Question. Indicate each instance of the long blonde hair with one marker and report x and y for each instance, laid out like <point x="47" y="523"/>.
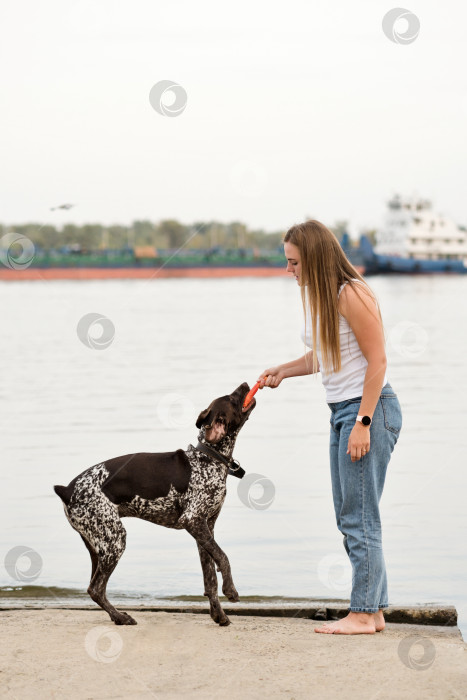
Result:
<point x="324" y="268"/>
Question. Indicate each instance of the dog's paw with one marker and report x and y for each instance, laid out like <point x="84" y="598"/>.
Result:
<point x="231" y="593"/>
<point x="124" y="619"/>
<point x="216" y="612"/>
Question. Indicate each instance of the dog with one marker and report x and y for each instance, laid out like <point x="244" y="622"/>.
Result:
<point x="184" y="490"/>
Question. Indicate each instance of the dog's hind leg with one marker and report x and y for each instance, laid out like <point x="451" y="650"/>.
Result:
<point x="108" y="553"/>
<point x="94" y="557"/>
<point x="103" y="534"/>
<point x="210" y="581"/>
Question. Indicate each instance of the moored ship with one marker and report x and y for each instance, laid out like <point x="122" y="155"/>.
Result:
<point x="415" y="239"/>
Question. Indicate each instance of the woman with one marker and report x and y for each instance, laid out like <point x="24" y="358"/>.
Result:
<point x="347" y="344"/>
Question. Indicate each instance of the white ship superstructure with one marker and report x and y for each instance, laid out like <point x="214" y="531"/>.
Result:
<point x="412" y="230"/>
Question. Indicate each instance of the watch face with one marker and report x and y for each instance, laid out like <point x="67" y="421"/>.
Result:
<point x="366" y="420"/>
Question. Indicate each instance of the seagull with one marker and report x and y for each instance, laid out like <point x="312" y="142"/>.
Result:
<point x="62" y="206"/>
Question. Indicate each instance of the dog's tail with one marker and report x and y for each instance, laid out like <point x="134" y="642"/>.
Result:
<point x="64" y="493"/>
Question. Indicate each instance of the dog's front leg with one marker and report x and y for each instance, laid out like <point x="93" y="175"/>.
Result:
<point x="199" y="529"/>
<point x="210" y="581"/>
<point x="210" y="587"/>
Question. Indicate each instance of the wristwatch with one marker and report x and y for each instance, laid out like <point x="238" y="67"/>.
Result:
<point x="364" y="420"/>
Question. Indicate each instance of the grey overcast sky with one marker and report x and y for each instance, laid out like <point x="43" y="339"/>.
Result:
<point x="294" y="110"/>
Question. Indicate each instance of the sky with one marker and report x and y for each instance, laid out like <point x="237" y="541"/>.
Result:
<point x="295" y="110"/>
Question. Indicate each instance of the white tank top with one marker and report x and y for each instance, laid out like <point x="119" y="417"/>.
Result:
<point x="348" y="382"/>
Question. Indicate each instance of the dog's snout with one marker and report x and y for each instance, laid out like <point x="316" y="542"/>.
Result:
<point x="242" y="390"/>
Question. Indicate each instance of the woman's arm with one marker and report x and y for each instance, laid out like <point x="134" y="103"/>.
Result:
<point x="364" y="320"/>
<point x="273" y="376"/>
<point x="366" y="325"/>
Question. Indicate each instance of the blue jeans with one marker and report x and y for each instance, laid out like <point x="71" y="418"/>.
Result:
<point x="357" y="488"/>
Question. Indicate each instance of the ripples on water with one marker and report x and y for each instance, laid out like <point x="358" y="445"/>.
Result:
<point x="180" y="343"/>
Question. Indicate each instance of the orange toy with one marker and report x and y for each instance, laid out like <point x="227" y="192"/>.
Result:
<point x="250" y="394"/>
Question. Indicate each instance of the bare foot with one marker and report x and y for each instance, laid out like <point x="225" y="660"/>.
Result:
<point x="353" y="623"/>
<point x="379" y="621"/>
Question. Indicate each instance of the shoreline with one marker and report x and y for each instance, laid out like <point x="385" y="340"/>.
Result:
<point x="106" y="273"/>
<point x="91" y="273"/>
<point x="426" y="615"/>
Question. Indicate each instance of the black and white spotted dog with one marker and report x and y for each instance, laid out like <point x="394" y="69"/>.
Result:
<point x="181" y="490"/>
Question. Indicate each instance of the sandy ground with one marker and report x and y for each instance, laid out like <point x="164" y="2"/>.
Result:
<point x="81" y="654"/>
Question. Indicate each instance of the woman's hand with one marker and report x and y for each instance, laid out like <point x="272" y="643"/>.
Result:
<point x="271" y="377"/>
<point x="359" y="442"/>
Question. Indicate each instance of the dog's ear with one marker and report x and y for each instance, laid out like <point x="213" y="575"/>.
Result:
<point x="203" y="417"/>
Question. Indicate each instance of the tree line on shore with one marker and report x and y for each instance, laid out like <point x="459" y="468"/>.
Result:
<point x="166" y="234"/>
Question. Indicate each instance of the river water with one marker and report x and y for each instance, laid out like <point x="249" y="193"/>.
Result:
<point x="165" y="350"/>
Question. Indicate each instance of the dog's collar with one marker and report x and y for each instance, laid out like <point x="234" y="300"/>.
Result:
<point x="234" y="467"/>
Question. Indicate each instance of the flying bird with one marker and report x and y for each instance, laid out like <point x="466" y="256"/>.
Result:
<point x="62" y="206"/>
